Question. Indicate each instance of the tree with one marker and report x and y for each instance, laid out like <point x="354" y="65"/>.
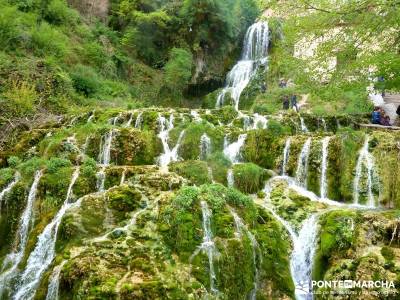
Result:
<point x="178" y="70"/>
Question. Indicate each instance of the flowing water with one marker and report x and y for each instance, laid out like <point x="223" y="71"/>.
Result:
<point x="169" y="155"/>
<point x="365" y="163"/>
<point x="259" y="122"/>
<point x="43" y="254"/>
<point x="128" y="124"/>
<point x="256" y="251"/>
<point x="286" y="153"/>
<point x="232" y="151"/>
<point x="196" y="116"/>
<point x="139" y="120"/>
<point x="205" y="146"/>
<point x="10" y="264"/>
<point x="230" y="179"/>
<point x="303" y="125"/>
<point x="302" y="163"/>
<point x="54" y="282"/>
<point x="324" y="167"/>
<point x="104" y="159"/>
<point x="254" y="54"/>
<point x="123" y="175"/>
<point x="324" y="126"/>
<point x="9" y="187"/>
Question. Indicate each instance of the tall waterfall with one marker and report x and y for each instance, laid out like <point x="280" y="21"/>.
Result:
<point x="54" y="282"/>
<point x="169" y="155"/>
<point x="104" y="158"/>
<point x="232" y="151"/>
<point x="302" y="164"/>
<point x="324" y="167"/>
<point x="205" y="146"/>
<point x="254" y="54"/>
<point x="365" y="162"/>
<point x="9" y="268"/>
<point x="286" y="153"/>
<point x="43" y="254"/>
<point x="256" y="252"/>
<point x="9" y="187"/>
<point x="301" y="260"/>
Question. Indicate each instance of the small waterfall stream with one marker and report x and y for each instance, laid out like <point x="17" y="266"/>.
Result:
<point x="324" y="167"/>
<point x="205" y="146"/>
<point x="255" y="53"/>
<point x="230" y="179"/>
<point x="139" y="120"/>
<point x="256" y="252"/>
<point x="128" y="124"/>
<point x="259" y="122"/>
<point x="43" y="254"/>
<point x="104" y="158"/>
<point x="232" y="151"/>
<point x="365" y="162"/>
<point x="303" y="125"/>
<point x="302" y="163"/>
<point x="54" y="282"/>
<point x="169" y="155"/>
<point x="9" y="187"/>
<point x="286" y="153"/>
<point x="9" y="268"/>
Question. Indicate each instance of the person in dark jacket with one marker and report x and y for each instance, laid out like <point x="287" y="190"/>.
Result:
<point x="285" y="102"/>
<point x="282" y="83"/>
<point x="293" y="102"/>
<point x="376" y="116"/>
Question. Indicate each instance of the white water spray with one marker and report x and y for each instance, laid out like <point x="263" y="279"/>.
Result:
<point x="324" y="167"/>
<point x="43" y="254"/>
<point x="230" y="179"/>
<point x="232" y="151"/>
<point x="205" y="146"/>
<point x="9" y="187"/>
<point x="139" y="120"/>
<point x="303" y="125"/>
<point x="255" y="53"/>
<point x="286" y="153"/>
<point x="169" y="155"/>
<point x="54" y="282"/>
<point x="104" y="158"/>
<point x="302" y="163"/>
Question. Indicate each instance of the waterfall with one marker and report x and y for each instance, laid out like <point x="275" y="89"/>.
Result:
<point x="128" y="124"/>
<point x="196" y="116"/>
<point x="205" y="146"/>
<point x="286" y="153"/>
<point x="246" y="122"/>
<point x="303" y="125"/>
<point x="12" y="260"/>
<point x="260" y="122"/>
<point x="113" y="121"/>
<point x="168" y="155"/>
<point x="302" y="163"/>
<point x="54" y="282"/>
<point x="324" y="124"/>
<point x="104" y="157"/>
<point x="123" y="177"/>
<point x="139" y="120"/>
<point x="302" y="258"/>
<point x="256" y="252"/>
<point x="254" y="54"/>
<point x="230" y="179"/>
<point x="324" y="167"/>
<point x="208" y="244"/>
<point x="232" y="151"/>
<point x="90" y="117"/>
<point x="365" y="161"/>
<point x="9" y="187"/>
<point x="43" y="254"/>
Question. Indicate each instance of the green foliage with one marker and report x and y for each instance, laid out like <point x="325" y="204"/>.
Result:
<point x="124" y="198"/>
<point x="85" y="80"/>
<point x="56" y="163"/>
<point x="185" y="198"/>
<point x="13" y="161"/>
<point x="57" y="12"/>
<point x="387" y="253"/>
<point x="195" y="171"/>
<point x="178" y="70"/>
<point x="21" y="98"/>
<point x="47" y="40"/>
<point x="219" y="166"/>
<point x="248" y="177"/>
<point x="5" y="176"/>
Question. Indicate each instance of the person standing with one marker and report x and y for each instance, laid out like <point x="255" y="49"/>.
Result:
<point x="376" y="116"/>
<point x="293" y="102"/>
<point x="285" y="102"/>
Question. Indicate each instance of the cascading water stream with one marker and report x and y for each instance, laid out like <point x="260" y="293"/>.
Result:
<point x="205" y="146"/>
<point x="9" y="187"/>
<point x="43" y="254"/>
<point x="123" y="175"/>
<point x="286" y="153"/>
<point x="256" y="252"/>
<point x="259" y="122"/>
<point x="365" y="161"/>
<point x="196" y="116"/>
<point x="302" y="164"/>
<point x="230" y="179"/>
<point x="139" y="120"/>
<point x="10" y="264"/>
<point x="255" y="53"/>
<point x="168" y="155"/>
<point x="232" y="151"/>
<point x="54" y="282"/>
<point x="128" y="124"/>
<point x="324" y="167"/>
<point x="303" y="125"/>
<point x="104" y="158"/>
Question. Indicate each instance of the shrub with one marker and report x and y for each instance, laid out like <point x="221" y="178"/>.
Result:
<point x="124" y="199"/>
<point x="21" y="98"/>
<point x="56" y="163"/>
<point x="47" y="40"/>
<point x="89" y="167"/>
<point x="248" y="177"/>
<point x="13" y="161"/>
<point x="58" y="12"/>
<point x="85" y="80"/>
<point x="219" y="166"/>
<point x="185" y="198"/>
<point x="9" y="27"/>
<point x="5" y="176"/>
<point x="178" y="69"/>
<point x="387" y="253"/>
<point x="195" y="171"/>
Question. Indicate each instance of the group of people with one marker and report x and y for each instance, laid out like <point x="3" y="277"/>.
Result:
<point x="380" y="117"/>
<point x="288" y="101"/>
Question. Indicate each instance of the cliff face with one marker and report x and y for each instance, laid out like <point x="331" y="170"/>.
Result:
<point x="92" y="8"/>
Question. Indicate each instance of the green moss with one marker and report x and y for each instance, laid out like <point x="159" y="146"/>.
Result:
<point x="195" y="171"/>
<point x="249" y="178"/>
<point x="124" y="198"/>
<point x="219" y="165"/>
